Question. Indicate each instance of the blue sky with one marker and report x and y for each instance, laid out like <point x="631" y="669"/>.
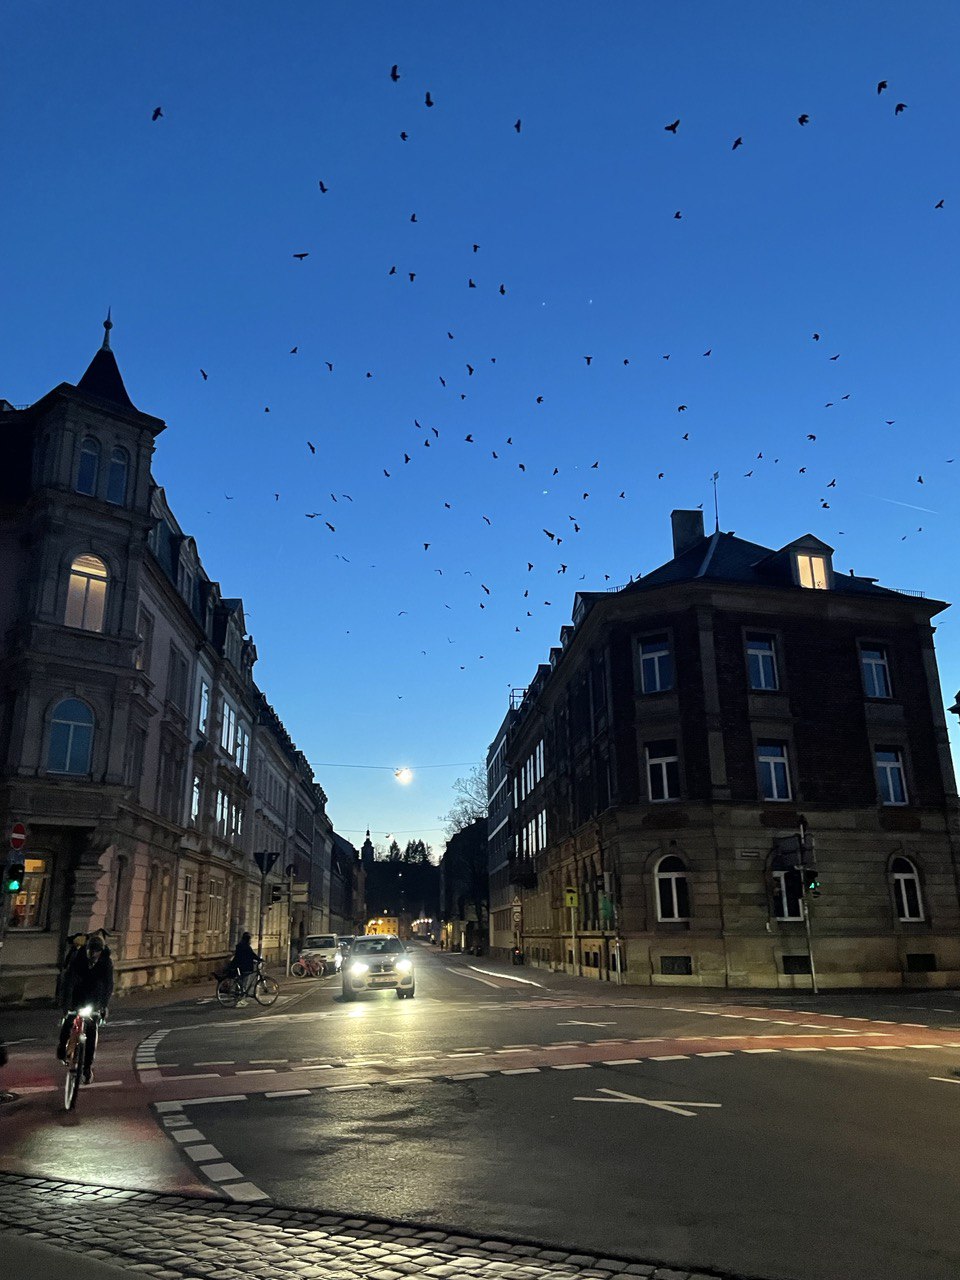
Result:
<point x="187" y="226"/>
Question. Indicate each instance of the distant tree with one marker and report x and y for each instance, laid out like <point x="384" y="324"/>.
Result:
<point x="416" y="852"/>
<point x="470" y="803"/>
<point x="393" y="853"/>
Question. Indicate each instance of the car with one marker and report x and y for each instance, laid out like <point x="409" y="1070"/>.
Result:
<point x="378" y="962"/>
<point x="323" y="946"/>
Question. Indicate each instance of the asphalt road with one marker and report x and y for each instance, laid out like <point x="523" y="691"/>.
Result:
<point x="778" y="1135"/>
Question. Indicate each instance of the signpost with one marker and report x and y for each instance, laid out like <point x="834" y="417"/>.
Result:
<point x="18" y="836"/>
<point x="265" y="859"/>
<point x="571" y="899"/>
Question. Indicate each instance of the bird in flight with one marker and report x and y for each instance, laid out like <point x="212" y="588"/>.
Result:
<point x="588" y="359"/>
<point x="816" y="337"/>
<point x="157" y="113"/>
<point x="311" y="446"/>
<point x="203" y="374"/>
<point x="323" y="189"/>
<point x="672" y="128"/>
<point x="881" y="85"/>
<point x="394" y="73"/>
<point x="938" y="205"/>
<point x="681" y="408"/>
<point x="329" y="365"/>
<point x="899" y="108"/>
<point x="294" y="350"/>
<point x="737" y="143"/>
<point x="428" y="101"/>
<point x="403" y="136"/>
<point x="804" y="119"/>
<point x="517" y="126"/>
<point x="836" y="357"/>
<point x="708" y="352"/>
<point x="678" y="214"/>
<point x="503" y="290"/>
<point x="300" y="256"/>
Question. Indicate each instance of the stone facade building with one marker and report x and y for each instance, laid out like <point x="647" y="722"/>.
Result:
<point x="686" y="730"/>
<point x="134" y="743"/>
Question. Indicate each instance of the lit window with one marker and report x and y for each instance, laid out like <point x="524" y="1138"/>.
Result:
<point x="241" y="753"/>
<point x="89" y="467"/>
<point x="228" y="727"/>
<point x="890" y="775"/>
<point x="762" y="662"/>
<point x="204" y="710"/>
<point x="117" y="477"/>
<point x="663" y="771"/>
<point x="86" y="594"/>
<point x="71" y="738"/>
<point x="195" y="801"/>
<point x="876" y="673"/>
<point x="773" y="771"/>
<point x="673" y="893"/>
<point x="28" y="907"/>
<point x="656" y="665"/>
<point x="906" y="890"/>
<point x="787" y="895"/>
<point x="812" y="571"/>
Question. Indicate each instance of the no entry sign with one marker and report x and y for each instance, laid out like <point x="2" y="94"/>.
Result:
<point x="18" y="836"/>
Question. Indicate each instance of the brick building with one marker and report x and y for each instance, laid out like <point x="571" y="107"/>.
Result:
<point x="684" y="730"/>
<point x="134" y="743"/>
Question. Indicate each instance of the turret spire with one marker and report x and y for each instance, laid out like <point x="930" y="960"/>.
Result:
<point x="107" y="326"/>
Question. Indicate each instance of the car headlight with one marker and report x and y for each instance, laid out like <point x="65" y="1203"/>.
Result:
<point x="358" y="967"/>
<point x="404" y="966"/>
<point x="86" y="1011"/>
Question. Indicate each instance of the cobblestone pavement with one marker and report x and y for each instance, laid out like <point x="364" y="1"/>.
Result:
<point x="188" y="1238"/>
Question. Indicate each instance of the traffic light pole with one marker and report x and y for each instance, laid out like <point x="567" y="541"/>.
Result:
<point x="802" y="869"/>
<point x="806" y="920"/>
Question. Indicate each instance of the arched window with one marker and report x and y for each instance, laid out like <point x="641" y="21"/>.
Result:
<point x="673" y="892"/>
<point x="71" y="738"/>
<point x="86" y="594"/>
<point x="117" y="477"/>
<point x="89" y="466"/>
<point x="906" y="890"/>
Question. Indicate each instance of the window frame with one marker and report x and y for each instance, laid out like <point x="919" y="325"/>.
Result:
<point x="90" y="726"/>
<point x="96" y="452"/>
<point x="751" y="640"/>
<point x="782" y="896"/>
<point x="872" y="665"/>
<point x="898" y="881"/>
<point x="79" y="581"/>
<point x="656" y="657"/>
<point x="203" y="706"/>
<point x="771" y="761"/>
<point x="887" y="768"/>
<point x="664" y="761"/>
<point x="118" y="454"/>
<point x="806" y="560"/>
<point x="671" y="877"/>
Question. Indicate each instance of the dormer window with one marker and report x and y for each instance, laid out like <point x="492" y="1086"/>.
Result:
<point x="812" y="571"/>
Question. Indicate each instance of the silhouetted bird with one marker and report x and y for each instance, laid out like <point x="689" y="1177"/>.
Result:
<point x="804" y="119"/>
<point x="672" y="128"/>
<point x="394" y="73"/>
<point x="157" y="113"/>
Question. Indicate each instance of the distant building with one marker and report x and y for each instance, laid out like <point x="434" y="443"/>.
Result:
<point x="134" y="743"/>
<point x="686" y="729"/>
<point x="348" y="911"/>
<point x="465" y="889"/>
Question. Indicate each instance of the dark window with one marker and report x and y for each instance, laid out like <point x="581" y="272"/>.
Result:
<point x="876" y="671"/>
<point x="676" y="965"/>
<point x="71" y="738"/>
<point x="796" y="964"/>
<point x="673" y="892"/>
<point x="89" y="466"/>
<point x="906" y="890"/>
<point x="890" y="775"/>
<point x="921" y="962"/>
<point x="787" y="895"/>
<point x="773" y="771"/>
<point x="663" y="770"/>
<point x="656" y="664"/>
<point x="117" y="477"/>
<point x="762" y="662"/>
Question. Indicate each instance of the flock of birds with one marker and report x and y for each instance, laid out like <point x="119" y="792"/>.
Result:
<point x="504" y="450"/>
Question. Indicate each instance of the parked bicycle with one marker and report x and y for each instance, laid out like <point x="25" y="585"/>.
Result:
<point x="233" y="988"/>
<point x="85" y="1022"/>
<point x="309" y="967"/>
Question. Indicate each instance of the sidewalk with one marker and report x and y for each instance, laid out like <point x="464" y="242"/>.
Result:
<point x="162" y="1237"/>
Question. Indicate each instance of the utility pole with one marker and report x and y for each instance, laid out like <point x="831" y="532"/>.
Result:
<point x="809" y="880"/>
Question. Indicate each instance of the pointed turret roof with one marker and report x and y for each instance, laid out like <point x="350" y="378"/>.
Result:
<point x="102" y="378"/>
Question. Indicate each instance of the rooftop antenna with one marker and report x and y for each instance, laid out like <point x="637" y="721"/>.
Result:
<point x="716" y="504"/>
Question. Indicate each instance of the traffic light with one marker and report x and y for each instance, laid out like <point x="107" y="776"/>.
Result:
<point x="811" y="881"/>
<point x="276" y="893"/>
<point x="13" y="877"/>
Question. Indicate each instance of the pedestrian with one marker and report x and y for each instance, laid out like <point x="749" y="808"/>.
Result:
<point x="87" y="980"/>
<point x="245" y="961"/>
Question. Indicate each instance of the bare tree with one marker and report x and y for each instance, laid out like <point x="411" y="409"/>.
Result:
<point x="470" y="803"/>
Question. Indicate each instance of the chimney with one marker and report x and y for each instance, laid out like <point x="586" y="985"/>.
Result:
<point x="687" y="530"/>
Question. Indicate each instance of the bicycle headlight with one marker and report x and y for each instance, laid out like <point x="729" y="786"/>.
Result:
<point x="404" y="966"/>
<point x="358" y="967"/>
<point x="86" y="1011"/>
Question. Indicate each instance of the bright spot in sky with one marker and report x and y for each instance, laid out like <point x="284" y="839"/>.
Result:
<point x="403" y="775"/>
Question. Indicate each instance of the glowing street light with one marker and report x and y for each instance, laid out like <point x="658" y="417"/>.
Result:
<point x="403" y="776"/>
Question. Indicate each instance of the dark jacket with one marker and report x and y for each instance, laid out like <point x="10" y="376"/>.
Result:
<point x="87" y="983"/>
<point x="245" y="958"/>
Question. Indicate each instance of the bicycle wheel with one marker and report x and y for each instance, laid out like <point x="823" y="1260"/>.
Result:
<point x="228" y="992"/>
<point x="266" y="991"/>
<point x="71" y="1083"/>
<point x="298" y="970"/>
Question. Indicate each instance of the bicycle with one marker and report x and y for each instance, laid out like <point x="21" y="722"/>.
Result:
<point x="75" y="1055"/>
<point x="235" y="987"/>
<point x="309" y="967"/>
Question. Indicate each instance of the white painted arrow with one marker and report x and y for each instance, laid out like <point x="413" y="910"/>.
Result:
<point x="676" y="1108"/>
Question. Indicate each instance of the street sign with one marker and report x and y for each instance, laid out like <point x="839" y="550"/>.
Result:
<point x="570" y="897"/>
<point x="517" y="916"/>
<point x="265" y="858"/>
<point x="18" y="836"/>
<point x="301" y="892"/>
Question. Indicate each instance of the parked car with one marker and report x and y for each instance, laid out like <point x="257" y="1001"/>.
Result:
<point x="323" y="946"/>
<point x="378" y="962"/>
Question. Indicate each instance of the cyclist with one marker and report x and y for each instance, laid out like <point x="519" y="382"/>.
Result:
<point x="88" y="979"/>
<point x="245" y="961"/>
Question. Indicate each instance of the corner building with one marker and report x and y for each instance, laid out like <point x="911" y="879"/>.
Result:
<point x="135" y="746"/>
<point x="684" y="730"/>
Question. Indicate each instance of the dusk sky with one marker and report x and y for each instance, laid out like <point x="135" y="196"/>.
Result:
<point x="374" y="649"/>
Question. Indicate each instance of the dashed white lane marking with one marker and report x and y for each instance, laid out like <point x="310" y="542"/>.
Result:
<point x="623" y="1062"/>
<point x="668" y="1057"/>
<point x="265" y="1071"/>
<point x="759" y="1050"/>
<point x="924" y="1046"/>
<point x="809" y="1048"/>
<point x="521" y="1071"/>
<point x="715" y="1053"/>
<point x="507" y="977"/>
<point x="287" y="1093"/>
<point x="844" y="1048"/>
<point x="945" y="1079"/>
<point x="572" y="1066"/>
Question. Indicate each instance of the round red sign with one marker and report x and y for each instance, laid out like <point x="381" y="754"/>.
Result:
<point x="18" y="836"/>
